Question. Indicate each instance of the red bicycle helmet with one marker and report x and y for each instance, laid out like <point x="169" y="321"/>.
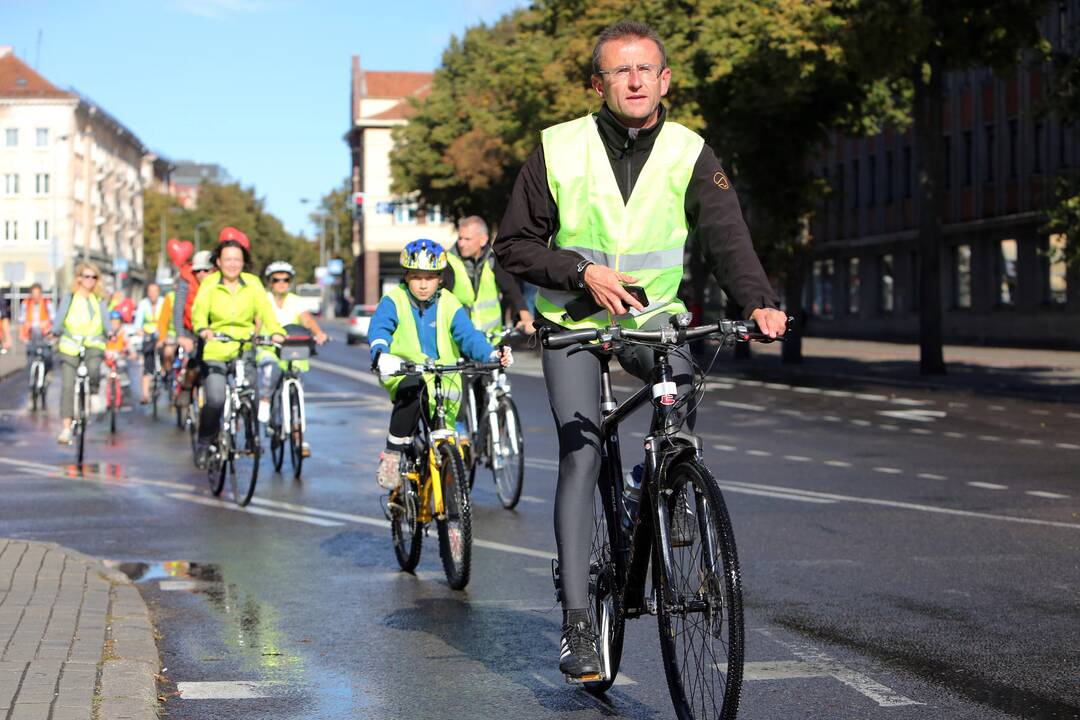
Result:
<point x="231" y="233"/>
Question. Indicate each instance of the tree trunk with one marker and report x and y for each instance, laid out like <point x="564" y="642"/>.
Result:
<point x="929" y="149"/>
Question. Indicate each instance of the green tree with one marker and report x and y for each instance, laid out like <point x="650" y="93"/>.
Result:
<point x="1064" y="215"/>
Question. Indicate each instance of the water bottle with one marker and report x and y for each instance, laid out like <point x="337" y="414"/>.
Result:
<point x="632" y="495"/>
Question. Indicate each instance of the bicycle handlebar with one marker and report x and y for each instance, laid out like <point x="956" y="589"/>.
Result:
<point x="253" y="339"/>
<point x="409" y="368"/>
<point x="742" y="330"/>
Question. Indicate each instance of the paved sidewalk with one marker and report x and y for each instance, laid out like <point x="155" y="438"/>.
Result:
<point x="75" y="637"/>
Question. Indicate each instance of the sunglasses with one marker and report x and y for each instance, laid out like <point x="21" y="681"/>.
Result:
<point x="279" y="279"/>
<point x="86" y="276"/>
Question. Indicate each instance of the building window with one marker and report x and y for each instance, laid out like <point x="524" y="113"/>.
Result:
<point x="42" y="137"/>
<point x="41" y="183"/>
<point x="962" y="276"/>
<point x="823" y="288"/>
<point x="11" y="137"/>
<point x="907" y="171"/>
<point x="1012" y="148"/>
<point x="886" y="286"/>
<point x="1007" y="273"/>
<point x="968" y="160"/>
<point x="888" y="176"/>
<point x="1037" y="164"/>
<point x="11" y="184"/>
<point x="853" y="286"/>
<point x="41" y="230"/>
<point x="11" y="229"/>
<point x="990" y="153"/>
<point x="855" y="183"/>
<point x="1057" y="284"/>
<point x="873" y="181"/>
<point x="947" y="155"/>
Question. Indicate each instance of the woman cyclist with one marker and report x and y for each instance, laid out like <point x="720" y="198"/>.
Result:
<point x="81" y="321"/>
<point x="230" y="301"/>
<point x="289" y="310"/>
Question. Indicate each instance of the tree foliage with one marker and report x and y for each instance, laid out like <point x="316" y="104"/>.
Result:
<point x="1064" y="215"/>
<point x="220" y="205"/>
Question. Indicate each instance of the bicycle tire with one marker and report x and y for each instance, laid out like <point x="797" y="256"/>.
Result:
<point x="405" y="532"/>
<point x="296" y="432"/>
<point x="605" y="600"/>
<point x="34" y="387"/>
<point x="455" y="527"/>
<point x="245" y="455"/>
<point x="704" y="585"/>
<point x="471" y="458"/>
<point x="192" y="422"/>
<point x="277" y="442"/>
<point x="155" y="390"/>
<point x="510" y="478"/>
<point x="80" y="423"/>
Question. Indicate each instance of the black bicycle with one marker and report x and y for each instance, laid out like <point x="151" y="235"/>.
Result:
<point x="674" y="520"/>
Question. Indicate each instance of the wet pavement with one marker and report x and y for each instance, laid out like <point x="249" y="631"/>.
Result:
<point x="905" y="553"/>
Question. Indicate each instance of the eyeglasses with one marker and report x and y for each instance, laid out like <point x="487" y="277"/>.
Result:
<point x="279" y="279"/>
<point x="622" y="72"/>
<point x="88" y="276"/>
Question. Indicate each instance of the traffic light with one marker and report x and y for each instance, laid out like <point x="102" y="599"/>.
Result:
<point x="357" y="205"/>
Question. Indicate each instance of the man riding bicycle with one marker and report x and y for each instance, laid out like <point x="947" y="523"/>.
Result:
<point x="191" y="275"/>
<point x="35" y="324"/>
<point x="617" y="193"/>
<point x="477" y="280"/>
<point x="146" y="321"/>
<point x="289" y="310"/>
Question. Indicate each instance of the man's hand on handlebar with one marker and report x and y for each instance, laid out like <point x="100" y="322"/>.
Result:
<point x="320" y="338"/>
<point x="506" y="357"/>
<point x="606" y="287"/>
<point x="770" y="322"/>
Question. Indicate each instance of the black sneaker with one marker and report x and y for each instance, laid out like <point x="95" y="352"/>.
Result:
<point x="577" y="652"/>
<point x="202" y="456"/>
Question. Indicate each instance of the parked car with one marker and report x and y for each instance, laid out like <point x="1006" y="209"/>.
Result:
<point x="359" y="320"/>
<point x="312" y="295"/>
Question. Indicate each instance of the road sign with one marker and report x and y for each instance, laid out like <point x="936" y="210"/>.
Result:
<point x="120" y="265"/>
<point x="335" y="266"/>
<point x="384" y="208"/>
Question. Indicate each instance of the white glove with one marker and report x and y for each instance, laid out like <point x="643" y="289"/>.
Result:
<point x="388" y="365"/>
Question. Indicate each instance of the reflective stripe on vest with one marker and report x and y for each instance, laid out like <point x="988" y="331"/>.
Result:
<point x="644" y="236"/>
<point x="83" y="322"/>
<point x="482" y="302"/>
<point x="405" y="343"/>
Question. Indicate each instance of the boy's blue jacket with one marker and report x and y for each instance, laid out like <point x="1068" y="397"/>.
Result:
<point x="384" y="322"/>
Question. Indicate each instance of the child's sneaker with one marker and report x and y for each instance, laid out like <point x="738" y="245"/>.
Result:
<point x="389" y="475"/>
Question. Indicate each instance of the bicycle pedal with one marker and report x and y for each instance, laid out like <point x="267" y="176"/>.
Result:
<point x="591" y="677"/>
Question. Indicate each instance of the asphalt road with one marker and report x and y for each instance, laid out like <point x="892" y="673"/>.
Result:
<point x="905" y="555"/>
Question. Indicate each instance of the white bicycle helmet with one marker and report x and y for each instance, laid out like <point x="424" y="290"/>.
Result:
<point x="280" y="266"/>
<point x="201" y="261"/>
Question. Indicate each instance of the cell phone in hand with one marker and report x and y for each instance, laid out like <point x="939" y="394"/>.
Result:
<point x="585" y="306"/>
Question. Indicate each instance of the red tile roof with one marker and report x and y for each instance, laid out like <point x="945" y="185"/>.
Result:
<point x="403" y="109"/>
<point x="395" y="84"/>
<point x="18" y="80"/>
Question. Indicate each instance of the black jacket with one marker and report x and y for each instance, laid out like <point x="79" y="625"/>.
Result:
<point x="712" y="212"/>
<point x="509" y="291"/>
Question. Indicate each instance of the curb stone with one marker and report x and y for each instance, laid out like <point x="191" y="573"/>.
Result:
<point x="76" y="638"/>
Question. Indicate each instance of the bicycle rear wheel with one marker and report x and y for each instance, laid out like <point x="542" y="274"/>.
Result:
<point x="296" y="432"/>
<point x="246" y="452"/>
<point x="509" y="467"/>
<point x="604" y="603"/>
<point x="699" y="593"/>
<point x="455" y="528"/>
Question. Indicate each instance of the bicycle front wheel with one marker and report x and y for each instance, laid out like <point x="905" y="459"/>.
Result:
<point x="246" y="452"/>
<point x="78" y="425"/>
<point x="405" y="531"/>
<point x="508" y="464"/>
<point x="455" y="527"/>
<point x="296" y="432"/>
<point x="604" y="601"/>
<point x="699" y="593"/>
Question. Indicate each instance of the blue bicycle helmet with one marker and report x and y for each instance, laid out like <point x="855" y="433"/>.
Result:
<point x="116" y="315"/>
<point x="423" y="254"/>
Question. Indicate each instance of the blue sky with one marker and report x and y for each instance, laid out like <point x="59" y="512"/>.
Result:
<point x="258" y="86"/>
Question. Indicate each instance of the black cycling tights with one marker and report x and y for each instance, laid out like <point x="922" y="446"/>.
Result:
<point x="573" y="385"/>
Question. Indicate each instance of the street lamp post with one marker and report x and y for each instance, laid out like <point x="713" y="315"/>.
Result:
<point x="204" y="223"/>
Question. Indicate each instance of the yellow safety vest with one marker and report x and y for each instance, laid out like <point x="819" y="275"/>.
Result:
<point x="482" y="302"/>
<point x="83" y="320"/>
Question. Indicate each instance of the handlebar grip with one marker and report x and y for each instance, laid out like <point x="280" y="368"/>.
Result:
<point x="559" y="340"/>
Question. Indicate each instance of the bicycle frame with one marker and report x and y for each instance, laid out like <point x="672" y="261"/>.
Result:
<point x="633" y="549"/>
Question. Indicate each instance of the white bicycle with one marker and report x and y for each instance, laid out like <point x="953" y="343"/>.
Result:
<point x="288" y="418"/>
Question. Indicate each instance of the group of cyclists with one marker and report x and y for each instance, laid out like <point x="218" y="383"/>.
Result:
<point x="599" y="219"/>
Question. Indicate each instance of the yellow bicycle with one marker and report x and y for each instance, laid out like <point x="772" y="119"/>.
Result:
<point x="435" y="486"/>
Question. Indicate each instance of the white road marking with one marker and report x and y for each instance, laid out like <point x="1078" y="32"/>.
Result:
<point x="770" y="493"/>
<point x="778" y="670"/>
<point x="831" y="418"/>
<point x="955" y="435"/>
<point x="871" y="397"/>
<point x="225" y="690"/>
<point x="996" y="408"/>
<point x="838" y="393"/>
<point x="1074" y="416"/>
<point x="908" y="506"/>
<point x="807" y="390"/>
<point x="777" y="386"/>
<point x="988" y="486"/>
<point x="533" y="499"/>
<point x="990" y="438"/>
<point x="726" y="448"/>
<point x="359" y="402"/>
<point x="883" y="696"/>
<point x="861" y="423"/>
<point x="838" y="463"/>
<point x="740" y="406"/>
<point x="362" y="376"/>
<point x="226" y="505"/>
<point x="886" y="426"/>
<point x="541" y="463"/>
<point x="931" y="476"/>
<point x="183" y="585"/>
<point x="797" y="458"/>
<point x="1029" y="441"/>
<point x="915" y="414"/>
<point x="759" y="453"/>
<point x="750" y="383"/>
<point x="1067" y="446"/>
<point x="888" y="470"/>
<point x="1045" y="494"/>
<point x="920" y="431"/>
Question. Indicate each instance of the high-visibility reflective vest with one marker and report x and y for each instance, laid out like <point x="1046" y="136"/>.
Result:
<point x="150" y="319"/>
<point x="405" y="343"/>
<point x="83" y="320"/>
<point x="644" y="237"/>
<point x="481" y="301"/>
